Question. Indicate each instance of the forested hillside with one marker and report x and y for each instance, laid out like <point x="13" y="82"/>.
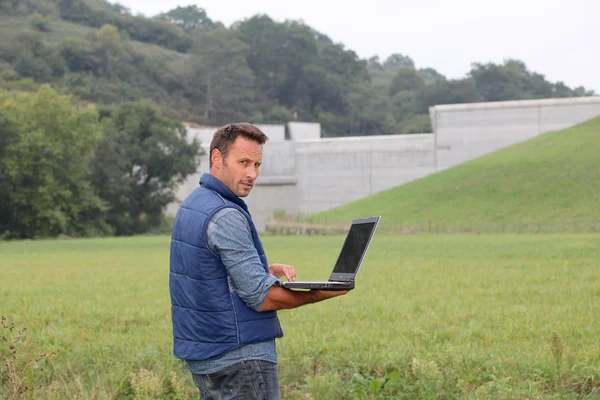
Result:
<point x="196" y="69"/>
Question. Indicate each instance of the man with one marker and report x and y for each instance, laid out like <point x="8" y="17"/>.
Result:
<point x="224" y="295"/>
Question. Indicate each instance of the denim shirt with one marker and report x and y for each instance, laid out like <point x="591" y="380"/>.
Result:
<point x="229" y="236"/>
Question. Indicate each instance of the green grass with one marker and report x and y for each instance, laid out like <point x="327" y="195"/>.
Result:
<point x="552" y="181"/>
<point x="450" y="316"/>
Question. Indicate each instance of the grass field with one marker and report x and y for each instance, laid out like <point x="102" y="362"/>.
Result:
<point x="551" y="181"/>
<point x="442" y="316"/>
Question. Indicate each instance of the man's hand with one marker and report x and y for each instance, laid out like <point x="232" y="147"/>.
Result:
<point x="279" y="270"/>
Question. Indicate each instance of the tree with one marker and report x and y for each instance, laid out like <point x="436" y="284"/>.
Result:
<point x="45" y="152"/>
<point x="118" y="8"/>
<point x="337" y="84"/>
<point x="30" y="66"/>
<point x="406" y="105"/>
<point x="405" y="79"/>
<point x="454" y="91"/>
<point x="217" y="77"/>
<point x="189" y="18"/>
<point x="79" y="55"/>
<point x="108" y="42"/>
<point x="139" y="163"/>
<point x="279" y="52"/>
<point x="373" y="63"/>
<point x="430" y="75"/>
<point x="513" y="81"/>
<point x="398" y="60"/>
<point x="8" y="135"/>
<point x="417" y="124"/>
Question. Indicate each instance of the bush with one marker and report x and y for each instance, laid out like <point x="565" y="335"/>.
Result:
<point x="79" y="55"/>
<point x="39" y="22"/>
<point x="29" y="66"/>
<point x="7" y="73"/>
<point x="32" y="41"/>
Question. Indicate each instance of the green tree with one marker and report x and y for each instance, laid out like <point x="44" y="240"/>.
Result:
<point x="108" y="43"/>
<point x="498" y="83"/>
<point x="279" y="53"/>
<point x="398" y="60"/>
<point x="513" y="81"/>
<point x="446" y="92"/>
<point x="118" y="8"/>
<point x="405" y="105"/>
<point x="80" y="55"/>
<point x="417" y="124"/>
<point x="189" y="18"/>
<point x="430" y="75"/>
<point x="346" y="92"/>
<point x="8" y="135"/>
<point x="405" y="79"/>
<point x="30" y="66"/>
<point x="217" y="77"/>
<point x="139" y="163"/>
<point x="45" y="153"/>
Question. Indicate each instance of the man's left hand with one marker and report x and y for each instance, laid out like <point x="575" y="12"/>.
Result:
<point x="279" y="270"/>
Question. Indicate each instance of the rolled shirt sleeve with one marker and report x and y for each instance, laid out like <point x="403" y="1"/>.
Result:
<point x="229" y="236"/>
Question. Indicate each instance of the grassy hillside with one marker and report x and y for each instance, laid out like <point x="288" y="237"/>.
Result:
<point x="141" y="71"/>
<point x="13" y="26"/>
<point x="553" y="179"/>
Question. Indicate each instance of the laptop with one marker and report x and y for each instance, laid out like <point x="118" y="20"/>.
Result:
<point x="350" y="259"/>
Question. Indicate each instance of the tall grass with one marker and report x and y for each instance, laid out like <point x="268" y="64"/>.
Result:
<point x="433" y="316"/>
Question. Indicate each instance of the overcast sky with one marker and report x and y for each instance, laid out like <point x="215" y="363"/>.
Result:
<point x="557" y="38"/>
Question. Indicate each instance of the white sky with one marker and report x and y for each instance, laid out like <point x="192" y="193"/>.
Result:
<point x="557" y="38"/>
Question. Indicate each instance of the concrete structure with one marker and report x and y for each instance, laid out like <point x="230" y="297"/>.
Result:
<point x="332" y="172"/>
<point x="308" y="174"/>
<point x="304" y="130"/>
<point x="467" y="131"/>
<point x="276" y="133"/>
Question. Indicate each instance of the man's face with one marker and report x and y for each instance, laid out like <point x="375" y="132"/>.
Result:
<point x="240" y="169"/>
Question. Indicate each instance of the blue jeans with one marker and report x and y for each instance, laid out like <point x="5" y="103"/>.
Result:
<point x="247" y="380"/>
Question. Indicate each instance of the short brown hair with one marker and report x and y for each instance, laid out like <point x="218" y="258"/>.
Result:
<point x="227" y="134"/>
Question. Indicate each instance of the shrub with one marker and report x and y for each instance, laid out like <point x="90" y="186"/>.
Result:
<point x="39" y="22"/>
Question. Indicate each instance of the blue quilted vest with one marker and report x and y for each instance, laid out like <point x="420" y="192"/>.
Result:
<point x="208" y="318"/>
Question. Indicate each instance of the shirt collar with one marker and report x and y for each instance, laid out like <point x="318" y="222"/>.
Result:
<point x="219" y="187"/>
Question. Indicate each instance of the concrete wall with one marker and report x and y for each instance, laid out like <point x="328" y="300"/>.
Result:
<point x="204" y="134"/>
<point x="467" y="131"/>
<point x="315" y="175"/>
<point x="332" y="172"/>
<point x="304" y="130"/>
<point x="276" y="133"/>
<point x="310" y="174"/>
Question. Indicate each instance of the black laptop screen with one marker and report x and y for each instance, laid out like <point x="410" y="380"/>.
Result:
<point x="354" y="248"/>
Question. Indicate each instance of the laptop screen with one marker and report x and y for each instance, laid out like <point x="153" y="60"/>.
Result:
<point x="354" y="248"/>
